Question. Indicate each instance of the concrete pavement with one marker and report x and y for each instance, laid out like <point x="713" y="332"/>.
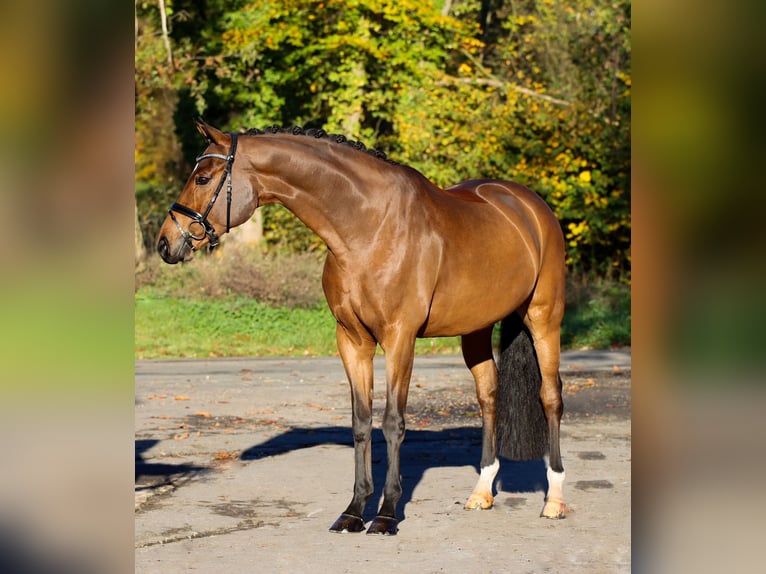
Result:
<point x="243" y="464"/>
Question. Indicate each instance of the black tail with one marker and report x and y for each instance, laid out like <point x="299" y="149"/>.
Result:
<point x="522" y="430"/>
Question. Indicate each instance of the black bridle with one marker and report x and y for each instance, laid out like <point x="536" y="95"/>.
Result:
<point x="201" y="218"/>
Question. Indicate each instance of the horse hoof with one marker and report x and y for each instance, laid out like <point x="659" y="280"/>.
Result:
<point x="554" y="509"/>
<point x="384" y="526"/>
<point x="479" y="502"/>
<point x="347" y="523"/>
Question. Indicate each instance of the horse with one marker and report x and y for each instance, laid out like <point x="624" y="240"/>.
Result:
<point x="405" y="259"/>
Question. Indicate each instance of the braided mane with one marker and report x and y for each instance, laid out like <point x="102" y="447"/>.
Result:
<point x="319" y="133"/>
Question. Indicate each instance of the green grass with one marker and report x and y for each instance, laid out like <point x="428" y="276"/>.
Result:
<point x="245" y="304"/>
<point x="171" y="327"/>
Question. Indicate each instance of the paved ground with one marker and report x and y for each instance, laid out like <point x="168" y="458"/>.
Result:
<point x="243" y="464"/>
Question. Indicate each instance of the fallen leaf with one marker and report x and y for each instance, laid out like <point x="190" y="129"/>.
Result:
<point x="223" y="455"/>
<point x="202" y="414"/>
<point x="181" y="436"/>
<point x="155" y="397"/>
<point x="181" y="398"/>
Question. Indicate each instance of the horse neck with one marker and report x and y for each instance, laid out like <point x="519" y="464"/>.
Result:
<point x="327" y="186"/>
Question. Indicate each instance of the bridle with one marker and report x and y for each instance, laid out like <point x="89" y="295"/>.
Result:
<point x="201" y="218"/>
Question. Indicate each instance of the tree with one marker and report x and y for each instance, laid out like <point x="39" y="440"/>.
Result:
<point x="566" y="131"/>
<point x="344" y="65"/>
<point x="157" y="148"/>
<point x="532" y="90"/>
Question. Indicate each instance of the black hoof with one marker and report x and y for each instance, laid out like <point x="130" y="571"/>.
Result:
<point x="384" y="526"/>
<point x="348" y="523"/>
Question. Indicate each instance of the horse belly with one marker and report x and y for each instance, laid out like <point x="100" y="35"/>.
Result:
<point x="461" y="307"/>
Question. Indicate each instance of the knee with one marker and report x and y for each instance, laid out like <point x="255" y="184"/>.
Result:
<point x="362" y="430"/>
<point x="361" y="437"/>
<point x="393" y="424"/>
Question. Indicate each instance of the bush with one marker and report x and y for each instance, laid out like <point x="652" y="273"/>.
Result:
<point x="292" y="280"/>
<point x="597" y="314"/>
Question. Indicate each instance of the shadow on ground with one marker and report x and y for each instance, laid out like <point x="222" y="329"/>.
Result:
<point x="421" y="450"/>
<point x="153" y="475"/>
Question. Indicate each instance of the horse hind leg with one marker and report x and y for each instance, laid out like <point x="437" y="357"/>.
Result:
<point x="555" y="507"/>
<point x="546" y="337"/>
<point x="477" y="353"/>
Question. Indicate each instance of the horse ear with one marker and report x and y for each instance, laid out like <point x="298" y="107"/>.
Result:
<point x="211" y="134"/>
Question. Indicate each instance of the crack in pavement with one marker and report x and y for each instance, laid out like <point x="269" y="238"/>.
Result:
<point x="193" y="535"/>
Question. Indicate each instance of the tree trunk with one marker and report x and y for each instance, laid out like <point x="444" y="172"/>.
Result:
<point x="139" y="242"/>
<point x="250" y="232"/>
<point x="165" y="36"/>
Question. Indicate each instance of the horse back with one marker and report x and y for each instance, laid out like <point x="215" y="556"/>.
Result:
<point x="517" y="211"/>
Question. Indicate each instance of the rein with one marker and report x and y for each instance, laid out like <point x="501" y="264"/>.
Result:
<point x="201" y="218"/>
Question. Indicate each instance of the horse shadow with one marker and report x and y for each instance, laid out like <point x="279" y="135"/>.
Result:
<point x="153" y="475"/>
<point x="421" y="450"/>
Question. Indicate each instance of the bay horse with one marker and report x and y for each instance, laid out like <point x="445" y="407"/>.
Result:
<point x="405" y="259"/>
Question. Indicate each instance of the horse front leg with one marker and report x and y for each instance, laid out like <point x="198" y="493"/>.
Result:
<point x="400" y="354"/>
<point x="357" y="355"/>
<point x="477" y="353"/>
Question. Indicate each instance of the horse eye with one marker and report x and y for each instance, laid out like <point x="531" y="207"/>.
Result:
<point x="202" y="180"/>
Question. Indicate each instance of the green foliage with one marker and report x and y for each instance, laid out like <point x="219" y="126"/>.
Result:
<point x="340" y="63"/>
<point x="159" y="169"/>
<point x="537" y="91"/>
<point x="580" y="158"/>
<point x="597" y="315"/>
<point x="284" y="232"/>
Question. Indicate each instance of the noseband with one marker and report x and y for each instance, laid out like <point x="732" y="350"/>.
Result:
<point x="201" y="218"/>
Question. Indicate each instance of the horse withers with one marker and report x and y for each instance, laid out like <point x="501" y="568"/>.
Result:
<point x="405" y="259"/>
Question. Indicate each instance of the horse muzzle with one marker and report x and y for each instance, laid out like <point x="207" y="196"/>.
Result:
<point x="170" y="255"/>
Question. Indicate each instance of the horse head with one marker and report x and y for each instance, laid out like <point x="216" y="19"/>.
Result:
<point x="201" y="215"/>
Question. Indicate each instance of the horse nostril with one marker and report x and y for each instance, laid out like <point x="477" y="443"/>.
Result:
<point x="163" y="248"/>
